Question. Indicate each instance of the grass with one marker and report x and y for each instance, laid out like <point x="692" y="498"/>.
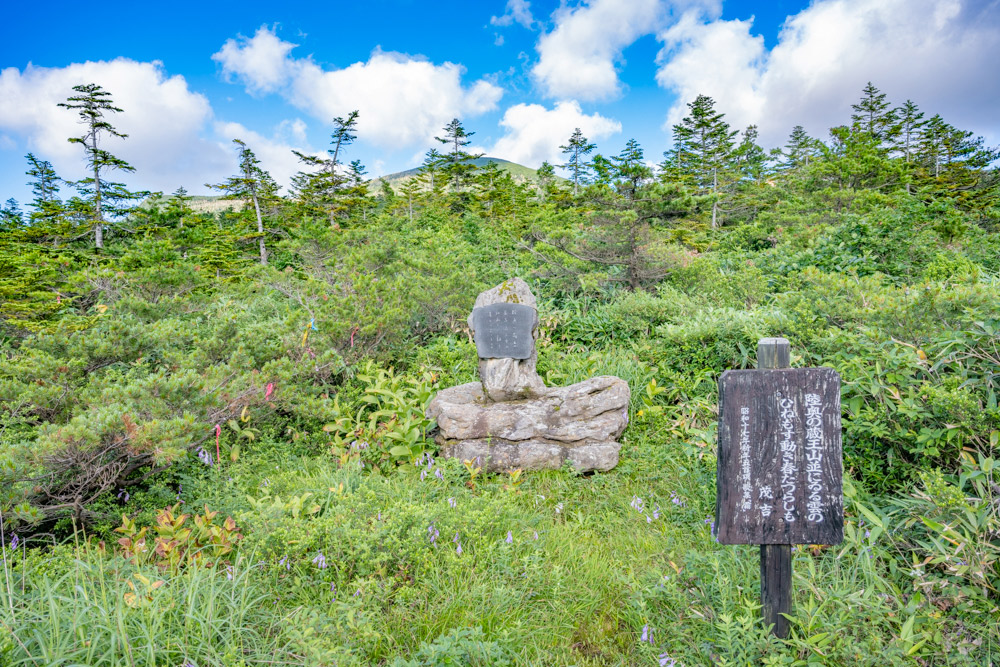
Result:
<point x="580" y="594"/>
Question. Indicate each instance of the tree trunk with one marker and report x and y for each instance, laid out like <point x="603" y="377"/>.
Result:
<point x="715" y="203"/>
<point x="260" y="230"/>
<point x="99" y="222"/>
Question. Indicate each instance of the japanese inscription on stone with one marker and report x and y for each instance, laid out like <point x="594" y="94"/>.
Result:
<point x="503" y="330"/>
<point x="779" y="461"/>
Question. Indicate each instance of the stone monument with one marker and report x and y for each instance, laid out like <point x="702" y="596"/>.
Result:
<point x="510" y="419"/>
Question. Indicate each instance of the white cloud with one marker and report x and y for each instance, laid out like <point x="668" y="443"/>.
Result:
<point x="161" y="115"/>
<point x="402" y="100"/>
<point x="261" y="62"/>
<point x="172" y="139"/>
<point x="534" y="133"/>
<point x="517" y="11"/>
<point x="940" y="53"/>
<point x="577" y="59"/>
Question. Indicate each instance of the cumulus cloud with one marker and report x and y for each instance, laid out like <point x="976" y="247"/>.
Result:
<point x="173" y="138"/>
<point x="534" y="133"/>
<point x="261" y="62"/>
<point x="402" y="99"/>
<point x="937" y="52"/>
<point x="578" y="58"/>
<point x="162" y="116"/>
<point x="517" y="11"/>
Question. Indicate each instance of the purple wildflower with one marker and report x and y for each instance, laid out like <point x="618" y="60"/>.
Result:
<point x="423" y="475"/>
<point x="205" y="457"/>
<point x="229" y="572"/>
<point x="451" y="502"/>
<point x="432" y="533"/>
<point x="333" y="587"/>
<point x="637" y="504"/>
<point x="455" y="540"/>
<point x="439" y="474"/>
<point x="357" y="593"/>
<point x="510" y="538"/>
<point x="123" y="495"/>
<point x="536" y="535"/>
<point x="379" y="516"/>
<point x="320" y="561"/>
<point x="676" y="500"/>
<point x="284" y="563"/>
<point x="645" y="635"/>
<point x="14" y="541"/>
<point x="667" y="661"/>
<point x="656" y="512"/>
<point x="458" y="549"/>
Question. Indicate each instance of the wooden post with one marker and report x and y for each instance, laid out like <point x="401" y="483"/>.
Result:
<point x="775" y="559"/>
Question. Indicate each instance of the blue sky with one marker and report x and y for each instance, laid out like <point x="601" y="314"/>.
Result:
<point x="522" y="74"/>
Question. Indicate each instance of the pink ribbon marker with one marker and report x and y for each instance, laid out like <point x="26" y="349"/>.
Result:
<point x="269" y="390"/>
<point x="218" y="431"/>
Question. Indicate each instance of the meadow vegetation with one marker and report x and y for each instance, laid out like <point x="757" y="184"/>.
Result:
<point x="213" y="448"/>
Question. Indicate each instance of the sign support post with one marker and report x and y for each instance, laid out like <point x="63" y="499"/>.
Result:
<point x="780" y="467"/>
<point x="775" y="559"/>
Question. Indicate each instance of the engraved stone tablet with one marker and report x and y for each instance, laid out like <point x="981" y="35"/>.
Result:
<point x="503" y="330"/>
<point x="779" y="462"/>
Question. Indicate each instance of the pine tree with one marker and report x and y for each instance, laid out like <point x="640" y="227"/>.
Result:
<point x="800" y="150"/>
<point x="750" y="159"/>
<point x="578" y="148"/>
<point x="911" y="122"/>
<point x="11" y="216"/>
<point x="631" y="170"/>
<point x="320" y="189"/>
<point x="873" y="115"/>
<point x="457" y="163"/>
<point x="252" y="185"/>
<point x="408" y="191"/>
<point x="604" y="170"/>
<point x="703" y="145"/>
<point x="101" y="195"/>
<point x="45" y="188"/>
<point x="430" y="173"/>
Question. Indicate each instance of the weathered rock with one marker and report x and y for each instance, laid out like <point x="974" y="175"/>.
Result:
<point x="509" y="419"/>
<point x="510" y="379"/>
<point x="578" y="423"/>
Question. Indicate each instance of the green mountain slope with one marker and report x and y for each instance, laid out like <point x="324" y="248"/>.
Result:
<point x="518" y="172"/>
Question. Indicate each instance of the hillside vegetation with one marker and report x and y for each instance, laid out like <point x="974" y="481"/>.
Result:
<point x="213" y="448"/>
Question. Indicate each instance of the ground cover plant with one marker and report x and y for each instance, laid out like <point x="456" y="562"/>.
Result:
<point x="213" y="448"/>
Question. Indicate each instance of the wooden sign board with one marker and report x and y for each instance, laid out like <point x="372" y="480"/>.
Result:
<point x="503" y="330"/>
<point x="780" y="466"/>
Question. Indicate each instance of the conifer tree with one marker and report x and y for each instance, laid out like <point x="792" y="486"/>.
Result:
<point x="578" y="148"/>
<point x="45" y="188"/>
<point x="703" y="145"/>
<point x="430" y="172"/>
<point x="604" y="170"/>
<point x="872" y="114"/>
<point x="320" y="189"/>
<point x="11" y="216"/>
<point x="911" y="122"/>
<point x="457" y="162"/>
<point x="408" y="191"/>
<point x="251" y="185"/>
<point x="750" y="159"/>
<point x="800" y="150"/>
<point x="631" y="170"/>
<point x="101" y="195"/>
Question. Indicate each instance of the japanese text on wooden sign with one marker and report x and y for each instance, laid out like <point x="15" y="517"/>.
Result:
<point x="503" y="330"/>
<point x="780" y="467"/>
